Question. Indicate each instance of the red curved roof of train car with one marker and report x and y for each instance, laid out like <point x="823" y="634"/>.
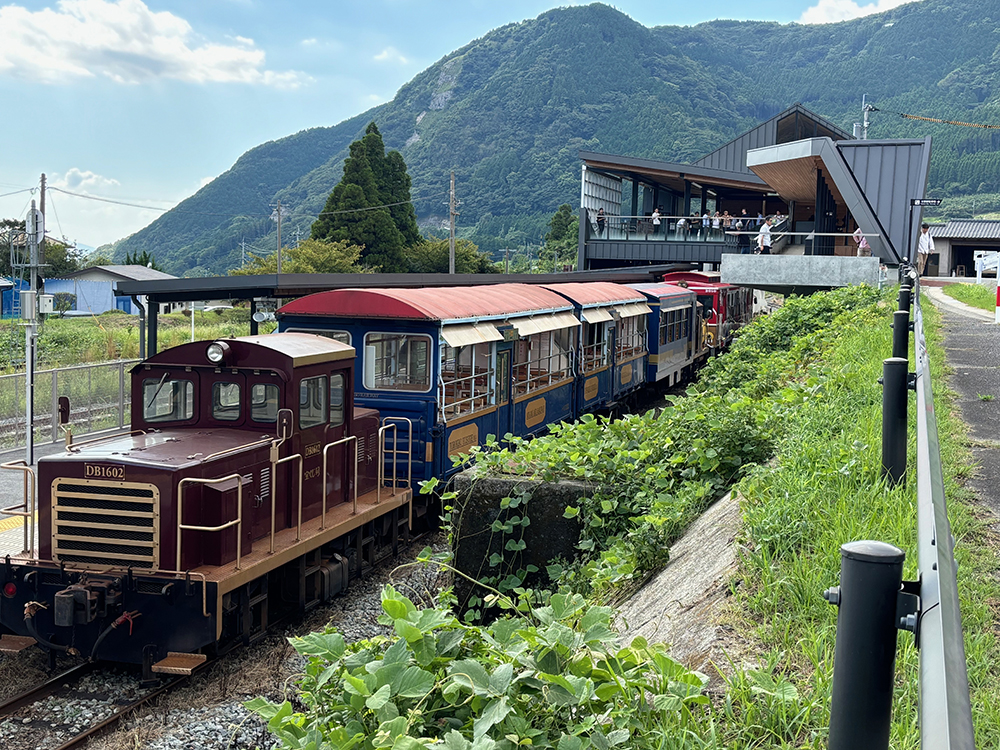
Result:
<point x="661" y="290"/>
<point x="440" y="303"/>
<point x="591" y="293"/>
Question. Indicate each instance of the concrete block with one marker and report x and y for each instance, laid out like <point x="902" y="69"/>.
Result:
<point x="798" y="274"/>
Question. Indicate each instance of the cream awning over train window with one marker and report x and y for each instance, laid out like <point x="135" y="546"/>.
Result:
<point x="632" y="309"/>
<point x="543" y="323"/>
<point x="597" y="315"/>
<point x="467" y="334"/>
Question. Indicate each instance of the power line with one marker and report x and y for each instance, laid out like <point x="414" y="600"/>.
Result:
<point x="938" y="120"/>
<point x="22" y="190"/>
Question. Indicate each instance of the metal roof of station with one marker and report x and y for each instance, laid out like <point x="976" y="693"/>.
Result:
<point x="967" y="229"/>
<point x="437" y="303"/>
<point x="661" y="291"/>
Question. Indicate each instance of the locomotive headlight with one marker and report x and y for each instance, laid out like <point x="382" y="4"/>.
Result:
<point x="217" y="352"/>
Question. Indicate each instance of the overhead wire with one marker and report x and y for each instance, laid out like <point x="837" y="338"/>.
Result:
<point x="937" y="119"/>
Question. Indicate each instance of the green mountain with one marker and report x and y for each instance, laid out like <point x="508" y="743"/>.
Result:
<point x="509" y="112"/>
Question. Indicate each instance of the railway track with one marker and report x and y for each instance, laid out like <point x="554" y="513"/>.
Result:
<point x="74" y="707"/>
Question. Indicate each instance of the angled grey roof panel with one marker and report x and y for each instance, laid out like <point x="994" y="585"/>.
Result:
<point x="732" y="156"/>
<point x="890" y="173"/>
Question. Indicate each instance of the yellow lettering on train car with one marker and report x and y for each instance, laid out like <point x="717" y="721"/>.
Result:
<point x="534" y="412"/>
<point x="590" y="389"/>
<point x="462" y="439"/>
<point x="313" y="449"/>
<point x="626" y="374"/>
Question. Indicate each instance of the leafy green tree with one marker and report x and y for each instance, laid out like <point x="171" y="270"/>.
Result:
<point x="432" y="257"/>
<point x="371" y="206"/>
<point x="311" y="256"/>
<point x="141" y="259"/>
<point x="561" y="241"/>
<point x="60" y="259"/>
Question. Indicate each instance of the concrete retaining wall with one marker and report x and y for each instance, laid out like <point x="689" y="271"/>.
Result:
<point x="549" y="535"/>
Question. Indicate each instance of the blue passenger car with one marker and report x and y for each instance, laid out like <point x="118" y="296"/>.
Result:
<point x="676" y="336"/>
<point x="459" y="363"/>
<point x="612" y="349"/>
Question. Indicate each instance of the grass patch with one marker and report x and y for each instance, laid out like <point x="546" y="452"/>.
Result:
<point x="974" y="295"/>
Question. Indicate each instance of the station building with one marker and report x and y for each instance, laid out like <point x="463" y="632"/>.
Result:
<point x="797" y="165"/>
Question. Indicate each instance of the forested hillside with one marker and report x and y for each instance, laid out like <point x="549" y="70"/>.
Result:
<point x="509" y="112"/>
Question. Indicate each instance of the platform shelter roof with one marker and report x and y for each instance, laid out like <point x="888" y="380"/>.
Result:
<point x="661" y="291"/>
<point x="440" y="303"/>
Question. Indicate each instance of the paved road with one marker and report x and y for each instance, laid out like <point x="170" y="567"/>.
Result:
<point x="972" y="345"/>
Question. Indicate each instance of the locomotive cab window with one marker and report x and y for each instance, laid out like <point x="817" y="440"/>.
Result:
<point x="336" y="400"/>
<point x="264" y="403"/>
<point x="167" y="400"/>
<point x="226" y="401"/>
<point x="312" y="402"/>
<point x="397" y="361"/>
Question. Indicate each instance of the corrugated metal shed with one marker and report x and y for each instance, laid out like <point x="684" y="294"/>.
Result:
<point x="440" y="303"/>
<point x="967" y="229"/>
<point x="597" y="293"/>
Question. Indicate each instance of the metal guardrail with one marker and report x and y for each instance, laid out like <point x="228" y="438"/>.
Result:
<point x="100" y="394"/>
<point x="873" y="600"/>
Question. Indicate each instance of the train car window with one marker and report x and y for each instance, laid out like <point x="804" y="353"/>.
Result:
<point x="664" y="328"/>
<point x="542" y="359"/>
<point x="264" y="403"/>
<point x="165" y="400"/>
<point x="336" y="400"/>
<point x="312" y="402"/>
<point x="631" y="336"/>
<point x="344" y="337"/>
<point x="706" y="301"/>
<point x="467" y="379"/>
<point x="226" y="401"/>
<point x="397" y="361"/>
<point x="595" y="348"/>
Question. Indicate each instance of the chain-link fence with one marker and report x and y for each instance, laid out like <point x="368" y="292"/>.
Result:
<point x="99" y="397"/>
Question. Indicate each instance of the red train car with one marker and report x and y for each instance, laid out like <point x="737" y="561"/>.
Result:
<point x="726" y="307"/>
<point x="248" y="487"/>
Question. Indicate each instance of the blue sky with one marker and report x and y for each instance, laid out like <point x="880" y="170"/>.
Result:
<point x="144" y="101"/>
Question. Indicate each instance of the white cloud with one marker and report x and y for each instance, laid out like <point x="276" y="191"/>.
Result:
<point x="125" y="41"/>
<point x="391" y="55"/>
<point x="310" y="42"/>
<point x="832" y="11"/>
<point x="79" y="180"/>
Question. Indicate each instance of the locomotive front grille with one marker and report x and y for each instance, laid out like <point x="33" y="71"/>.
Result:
<point x="99" y="521"/>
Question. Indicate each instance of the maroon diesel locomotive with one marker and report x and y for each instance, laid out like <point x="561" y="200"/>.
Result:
<point x="248" y="488"/>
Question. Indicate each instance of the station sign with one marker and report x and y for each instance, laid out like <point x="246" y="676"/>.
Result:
<point x="925" y="201"/>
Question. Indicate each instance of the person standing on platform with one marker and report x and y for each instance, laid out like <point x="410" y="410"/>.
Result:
<point x="601" y="220"/>
<point x="925" y="246"/>
<point x="764" y="238"/>
<point x="864" y="249"/>
<point x="742" y="239"/>
<point x="656" y="221"/>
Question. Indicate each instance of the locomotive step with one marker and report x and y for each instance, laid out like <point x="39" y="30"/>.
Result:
<point x="11" y="644"/>
<point x="177" y="663"/>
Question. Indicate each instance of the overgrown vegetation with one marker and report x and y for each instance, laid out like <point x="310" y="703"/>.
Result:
<point x="975" y="295"/>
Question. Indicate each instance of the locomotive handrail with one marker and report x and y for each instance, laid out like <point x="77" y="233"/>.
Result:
<point x="381" y="461"/>
<point x="409" y="446"/>
<point x="263" y="441"/>
<point x="238" y="522"/>
<point x="348" y="439"/>
<point x="26" y="513"/>
<point x="75" y="447"/>
<point x="274" y="483"/>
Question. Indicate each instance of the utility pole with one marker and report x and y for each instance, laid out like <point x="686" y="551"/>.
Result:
<point x="243" y="252"/>
<point x="452" y="213"/>
<point x="41" y="207"/>
<point x="34" y="227"/>
<point x="506" y="260"/>
<point x="279" y="236"/>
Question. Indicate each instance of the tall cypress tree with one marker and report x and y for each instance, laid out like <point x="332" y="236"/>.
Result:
<point x="374" y="228"/>
<point x="382" y="181"/>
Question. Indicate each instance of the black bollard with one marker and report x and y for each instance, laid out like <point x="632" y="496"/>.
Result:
<point x="895" y="374"/>
<point x="901" y="334"/>
<point x="861" y="706"/>
<point x="905" y="297"/>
